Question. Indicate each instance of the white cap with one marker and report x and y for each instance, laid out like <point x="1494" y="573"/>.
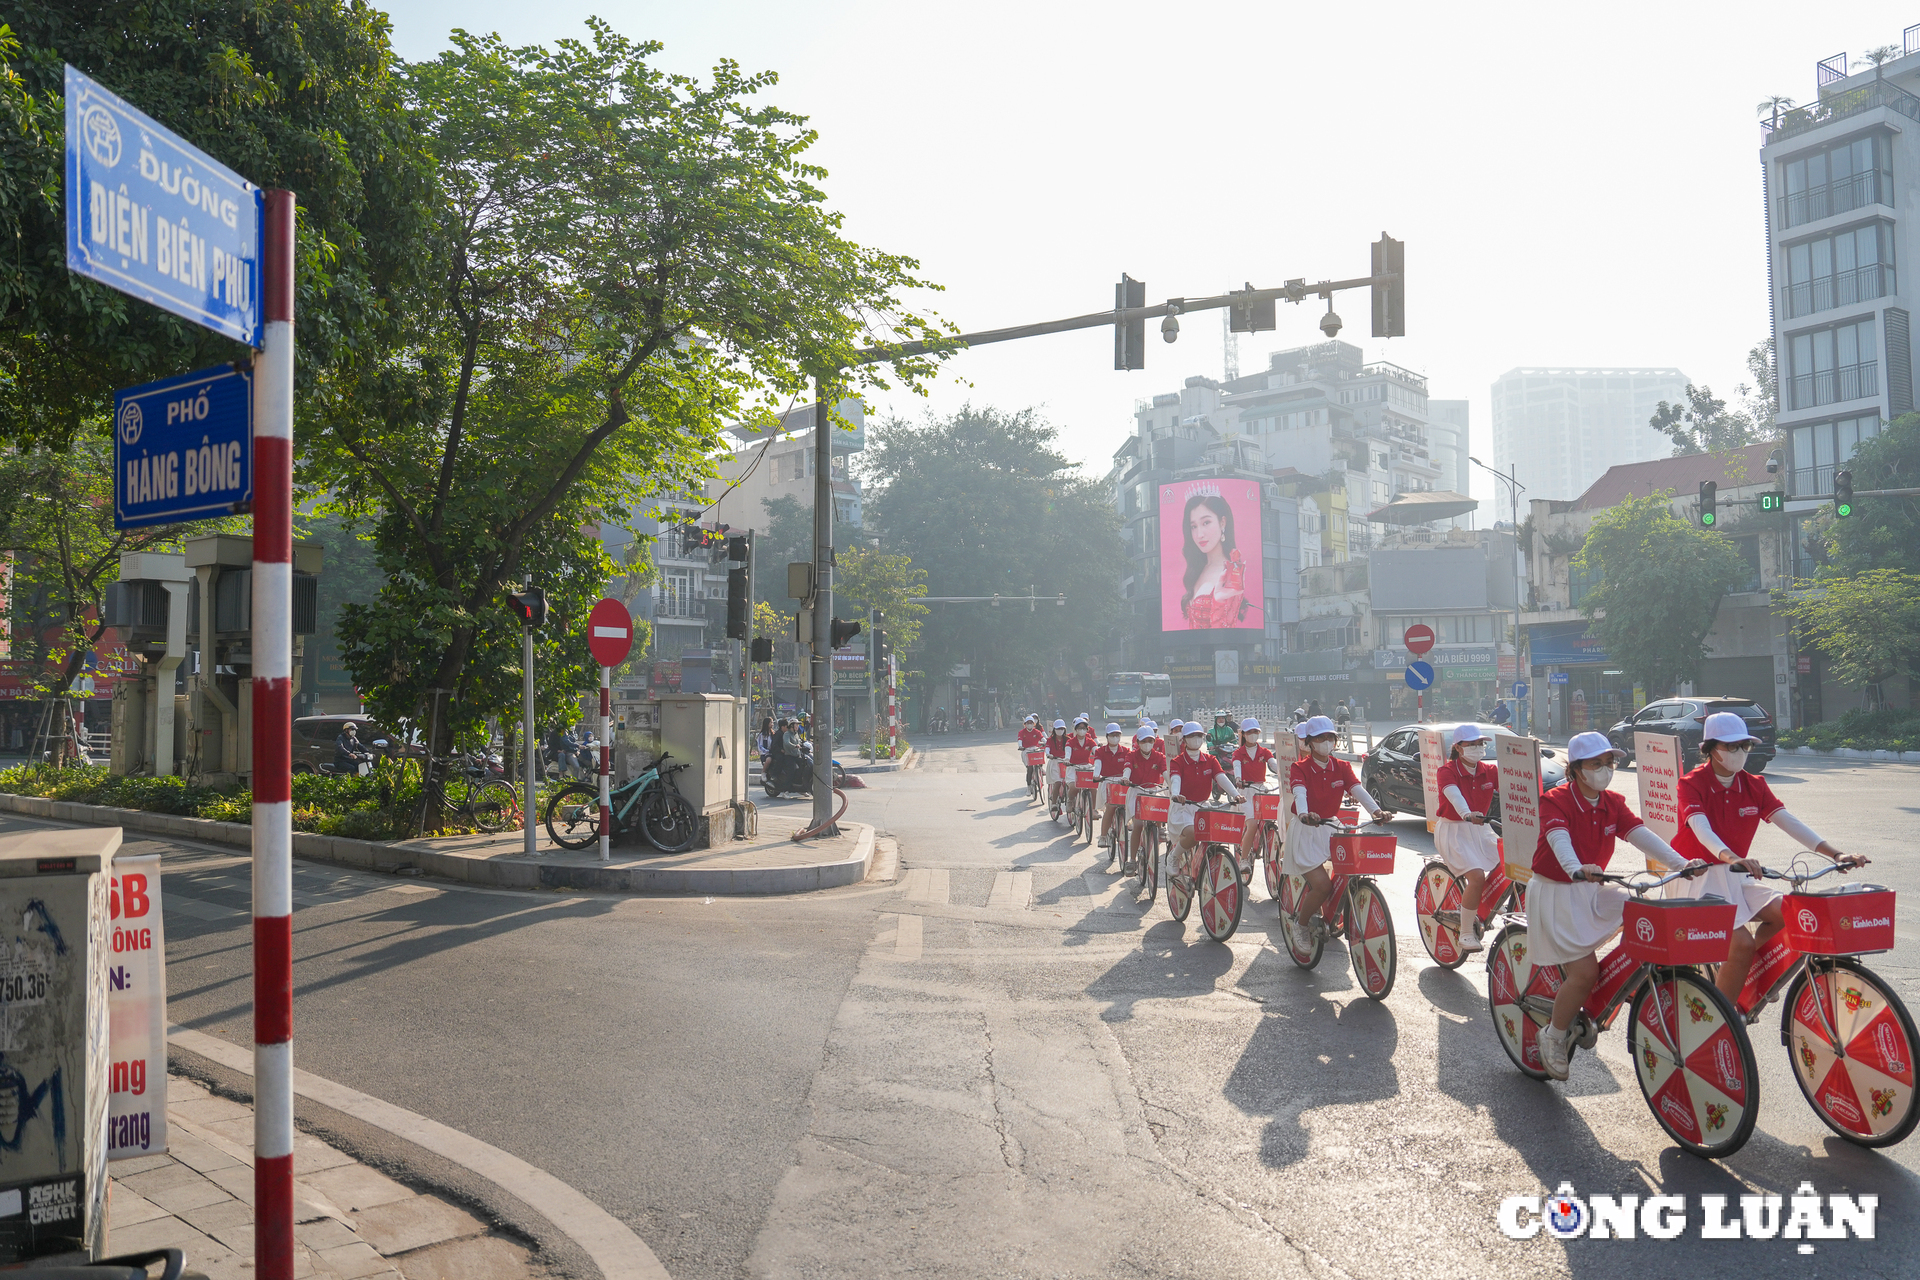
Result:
<point x="1468" y="733"/>
<point x="1725" y="726"/>
<point x="1250" y="725"/>
<point x="1112" y="728"/>
<point x="1080" y="720"/>
<point x="1192" y="727"/>
<point x="1300" y="731"/>
<point x="1144" y="733"/>
<point x="1585" y="746"/>
<point x="1033" y="715"/>
<point x="1317" y="725"/>
<point x="1059" y="724"/>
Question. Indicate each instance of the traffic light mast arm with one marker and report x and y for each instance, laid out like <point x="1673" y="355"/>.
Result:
<point x="1294" y="291"/>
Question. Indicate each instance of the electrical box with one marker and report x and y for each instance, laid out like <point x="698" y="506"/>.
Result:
<point x="54" y="949"/>
<point x="703" y="730"/>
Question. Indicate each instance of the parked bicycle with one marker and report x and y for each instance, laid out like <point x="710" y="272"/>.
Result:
<point x="651" y="802"/>
<point x="471" y="790"/>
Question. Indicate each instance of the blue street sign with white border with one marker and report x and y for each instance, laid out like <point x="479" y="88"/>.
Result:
<point x="1558" y="677"/>
<point x="183" y="448"/>
<point x="157" y="218"/>
<point x="1520" y="688"/>
<point x="1419" y="675"/>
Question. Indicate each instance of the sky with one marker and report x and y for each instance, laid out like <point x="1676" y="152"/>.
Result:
<point x="1577" y="186"/>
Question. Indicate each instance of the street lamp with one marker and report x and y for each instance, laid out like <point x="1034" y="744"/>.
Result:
<point x="1514" y="487"/>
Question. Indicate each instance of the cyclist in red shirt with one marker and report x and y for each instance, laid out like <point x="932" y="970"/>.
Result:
<point x="1250" y="763"/>
<point x="1080" y="743"/>
<point x="1030" y="735"/>
<point x="1721" y="806"/>
<point x="1319" y="781"/>
<point x="1057" y="746"/>
<point x="1110" y="761"/>
<point x="1196" y="775"/>
<point x="1146" y="768"/>
<point x="1467" y="784"/>
<point x="1569" y="914"/>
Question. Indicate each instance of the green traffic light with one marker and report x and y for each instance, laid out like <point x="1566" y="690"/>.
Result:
<point x="1707" y="517"/>
<point x="1843" y="509"/>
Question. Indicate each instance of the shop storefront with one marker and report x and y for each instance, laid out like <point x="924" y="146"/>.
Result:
<point x="1593" y="693"/>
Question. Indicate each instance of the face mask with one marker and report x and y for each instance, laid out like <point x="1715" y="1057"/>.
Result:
<point x="1193" y="746"/>
<point x="1113" y="739"/>
<point x="1251" y="740"/>
<point x="1598" y="779"/>
<point x="1322" y="749"/>
<point x="1731" y="761"/>
<point x="1473" y="754"/>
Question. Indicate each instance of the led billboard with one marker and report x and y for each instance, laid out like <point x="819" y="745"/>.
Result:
<point x="1210" y="570"/>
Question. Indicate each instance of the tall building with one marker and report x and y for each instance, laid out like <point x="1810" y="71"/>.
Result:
<point x="1560" y="429"/>
<point x="1837" y="228"/>
<point x="1449" y="443"/>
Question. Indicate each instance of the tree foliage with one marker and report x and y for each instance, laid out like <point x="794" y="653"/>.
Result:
<point x="983" y="502"/>
<point x="1883" y="533"/>
<point x="1661" y="582"/>
<point x="865" y="579"/>
<point x="1867" y="625"/>
<point x="1704" y="424"/>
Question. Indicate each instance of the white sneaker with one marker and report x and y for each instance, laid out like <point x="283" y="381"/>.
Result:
<point x="1470" y="932"/>
<point x="1553" y="1052"/>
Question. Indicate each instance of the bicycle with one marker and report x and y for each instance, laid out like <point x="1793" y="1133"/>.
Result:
<point x="489" y="803"/>
<point x="1356" y="910"/>
<point x="1113" y="793"/>
<point x="1152" y="805"/>
<point x="1266" y="844"/>
<point x="1848" y="1035"/>
<point x="1057" y="772"/>
<point x="1690" y="1050"/>
<point x="1085" y="785"/>
<point x="1036" y="759"/>
<point x="1436" y="904"/>
<point x="1217" y="830"/>
<point x="666" y="818"/>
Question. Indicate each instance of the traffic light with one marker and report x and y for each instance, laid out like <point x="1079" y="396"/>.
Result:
<point x="877" y="642"/>
<point x="1709" y="497"/>
<point x="839" y="632"/>
<point x="530" y="606"/>
<point x="1390" y="299"/>
<point x="740" y="587"/>
<point x="762" y="650"/>
<point x="1773" y="500"/>
<point x="1842" y="494"/>
<point x="1248" y="316"/>
<point x="1129" y="336"/>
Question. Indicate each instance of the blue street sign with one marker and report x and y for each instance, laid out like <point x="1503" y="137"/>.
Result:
<point x="157" y="218"/>
<point x="183" y="448"/>
<point x="1419" y="675"/>
<point x="1520" y="688"/>
<point x="1558" y="677"/>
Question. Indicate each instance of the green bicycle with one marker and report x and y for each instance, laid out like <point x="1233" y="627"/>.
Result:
<point x="651" y="801"/>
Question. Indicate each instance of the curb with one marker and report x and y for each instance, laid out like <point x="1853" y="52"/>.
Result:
<point x="1855" y="753"/>
<point x="610" y="1243"/>
<point x="487" y="872"/>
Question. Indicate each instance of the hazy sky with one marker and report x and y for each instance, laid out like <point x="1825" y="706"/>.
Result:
<point x="1576" y="185"/>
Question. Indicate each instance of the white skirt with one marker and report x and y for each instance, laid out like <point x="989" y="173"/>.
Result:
<point x="1567" y="922"/>
<point x="1306" y="847"/>
<point x="1179" y="816"/>
<point x="1748" y="895"/>
<point x="1465" y="847"/>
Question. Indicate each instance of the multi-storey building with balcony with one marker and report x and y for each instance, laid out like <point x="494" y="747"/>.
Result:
<point x="1842" y="175"/>
<point x="1560" y="429"/>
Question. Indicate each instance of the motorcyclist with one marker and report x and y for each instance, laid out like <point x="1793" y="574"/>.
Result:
<point x="348" y="751"/>
<point x="1223" y="737"/>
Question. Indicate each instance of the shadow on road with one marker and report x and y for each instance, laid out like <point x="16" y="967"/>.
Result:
<point x="1315" y="1054"/>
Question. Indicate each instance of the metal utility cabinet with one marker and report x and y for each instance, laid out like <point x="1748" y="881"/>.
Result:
<point x="55" y="941"/>
<point x="702" y="729"/>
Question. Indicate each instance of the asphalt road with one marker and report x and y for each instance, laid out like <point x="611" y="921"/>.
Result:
<point x="998" y="1066"/>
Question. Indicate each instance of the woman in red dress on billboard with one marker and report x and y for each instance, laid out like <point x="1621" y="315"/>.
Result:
<point x="1214" y="587"/>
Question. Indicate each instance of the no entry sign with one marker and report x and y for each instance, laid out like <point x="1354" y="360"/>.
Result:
<point x="1418" y="639"/>
<point x="610" y="632"/>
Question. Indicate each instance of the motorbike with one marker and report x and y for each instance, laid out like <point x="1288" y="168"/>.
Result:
<point x="786" y="773"/>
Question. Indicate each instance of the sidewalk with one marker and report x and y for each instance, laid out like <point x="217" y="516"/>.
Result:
<point x="354" y="1223"/>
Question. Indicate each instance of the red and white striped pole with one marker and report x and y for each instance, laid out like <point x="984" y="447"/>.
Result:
<point x="606" y="763"/>
<point x="273" y="753"/>
<point x="893" y="711"/>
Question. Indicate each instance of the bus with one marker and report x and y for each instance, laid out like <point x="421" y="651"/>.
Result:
<point x="1136" y="695"/>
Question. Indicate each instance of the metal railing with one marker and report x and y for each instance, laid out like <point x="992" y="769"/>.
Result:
<point x="1830" y="386"/>
<point x="1842" y="195"/>
<point x="1838" y="106"/>
<point x="1843" y="288"/>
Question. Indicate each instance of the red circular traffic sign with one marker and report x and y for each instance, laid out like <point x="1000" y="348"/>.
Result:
<point x="610" y="632"/>
<point x="1418" y="639"/>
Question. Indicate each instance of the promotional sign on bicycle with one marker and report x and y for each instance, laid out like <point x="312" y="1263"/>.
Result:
<point x="1656" y="765"/>
<point x="1433" y="754"/>
<point x="1519" y="760"/>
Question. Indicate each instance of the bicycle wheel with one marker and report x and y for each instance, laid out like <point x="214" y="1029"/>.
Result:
<point x="1148" y="857"/>
<point x="1435" y="892"/>
<point x="1509" y="977"/>
<point x="1179" y="883"/>
<point x="1270" y="856"/>
<point x="1302" y="943"/>
<point x="496" y="806"/>
<point x="1222" y="893"/>
<point x="1865" y="1096"/>
<point x="668" y="820"/>
<point x="1370" y="945"/>
<point x="1694" y="1062"/>
<point x="573" y="816"/>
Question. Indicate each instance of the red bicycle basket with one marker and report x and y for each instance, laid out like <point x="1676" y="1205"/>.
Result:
<point x="1151" y="808"/>
<point x="1677" y="931"/>
<point x="1363" y="855"/>
<point x="1116" y="793"/>
<point x="1266" y="806"/>
<point x="1219" y="826"/>
<point x="1084" y="777"/>
<point x="1842" y="922"/>
<point x="1035" y="756"/>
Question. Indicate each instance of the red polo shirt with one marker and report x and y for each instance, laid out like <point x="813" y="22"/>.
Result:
<point x="1110" y="762"/>
<point x="1194" y="777"/>
<point x="1057" y="747"/>
<point x="1478" y="785"/>
<point x="1148" y="768"/>
<point x="1326" y="784"/>
<point x="1079" y="749"/>
<point x="1734" y="811"/>
<point x="1031" y="736"/>
<point x="1593" y="828"/>
<point x="1252" y="765"/>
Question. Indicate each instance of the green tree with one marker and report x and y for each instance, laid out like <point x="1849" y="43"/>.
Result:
<point x="1704" y="424"/>
<point x="786" y="539"/>
<point x="1867" y="625"/>
<point x="865" y="578"/>
<point x="983" y="502"/>
<point x="1883" y="533"/>
<point x="1660" y="585"/>
<point x="301" y="96"/>
<point x="628" y="258"/>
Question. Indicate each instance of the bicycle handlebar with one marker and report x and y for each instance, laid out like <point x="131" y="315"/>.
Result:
<point x="1642" y="886"/>
<point x="1798" y="880"/>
